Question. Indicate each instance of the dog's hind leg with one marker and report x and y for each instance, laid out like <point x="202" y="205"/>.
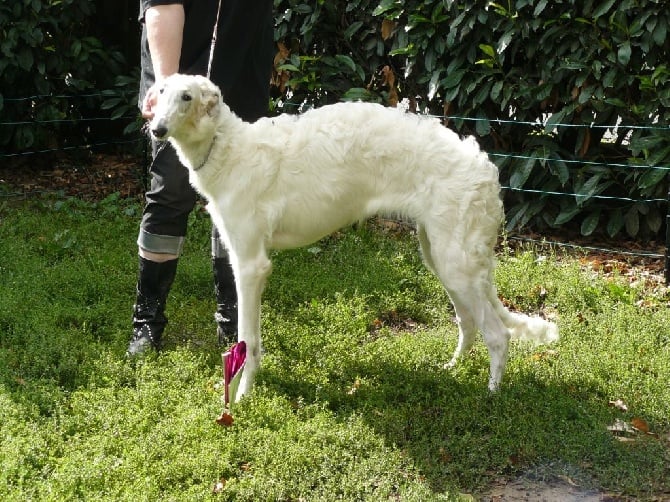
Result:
<point x="474" y="310"/>
<point x="496" y="337"/>
<point x="250" y="276"/>
<point x="467" y="273"/>
<point x="467" y="328"/>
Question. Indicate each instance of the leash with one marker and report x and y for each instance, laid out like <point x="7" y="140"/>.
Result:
<point x="209" y="72"/>
<point x="211" y="49"/>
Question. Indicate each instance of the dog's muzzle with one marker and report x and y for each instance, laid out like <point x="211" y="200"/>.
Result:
<point x="159" y="131"/>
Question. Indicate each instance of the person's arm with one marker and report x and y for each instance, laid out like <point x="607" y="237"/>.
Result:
<point x="165" y="29"/>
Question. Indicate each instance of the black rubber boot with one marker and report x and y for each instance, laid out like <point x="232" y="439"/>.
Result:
<point x="153" y="285"/>
<point x="226" y="301"/>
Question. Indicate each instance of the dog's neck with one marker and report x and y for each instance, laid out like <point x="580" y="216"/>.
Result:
<point x="197" y="167"/>
<point x="194" y="154"/>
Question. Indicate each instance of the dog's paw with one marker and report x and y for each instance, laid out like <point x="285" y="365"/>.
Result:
<point x="244" y="388"/>
<point x="451" y="364"/>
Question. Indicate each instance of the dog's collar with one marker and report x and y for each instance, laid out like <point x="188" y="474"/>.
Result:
<point x="209" y="152"/>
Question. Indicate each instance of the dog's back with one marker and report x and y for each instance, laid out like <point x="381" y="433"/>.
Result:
<point x="353" y="160"/>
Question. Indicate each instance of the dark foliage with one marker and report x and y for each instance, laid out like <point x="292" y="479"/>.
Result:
<point x="540" y="83"/>
<point x="57" y="72"/>
<point x="520" y="69"/>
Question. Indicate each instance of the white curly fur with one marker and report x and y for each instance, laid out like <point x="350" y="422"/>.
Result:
<point x="287" y="181"/>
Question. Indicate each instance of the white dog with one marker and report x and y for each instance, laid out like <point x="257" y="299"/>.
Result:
<point x="287" y="181"/>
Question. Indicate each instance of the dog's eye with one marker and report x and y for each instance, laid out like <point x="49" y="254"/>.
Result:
<point x="186" y="97"/>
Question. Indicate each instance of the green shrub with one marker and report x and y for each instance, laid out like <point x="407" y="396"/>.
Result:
<point x="49" y="54"/>
<point x="539" y="83"/>
<point x="516" y="69"/>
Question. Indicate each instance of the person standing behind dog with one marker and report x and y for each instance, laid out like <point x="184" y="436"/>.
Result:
<point x="176" y="38"/>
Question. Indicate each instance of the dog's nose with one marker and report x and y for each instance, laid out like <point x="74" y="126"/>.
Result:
<point x="159" y="131"/>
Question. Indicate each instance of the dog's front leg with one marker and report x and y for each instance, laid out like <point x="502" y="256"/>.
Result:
<point x="250" y="275"/>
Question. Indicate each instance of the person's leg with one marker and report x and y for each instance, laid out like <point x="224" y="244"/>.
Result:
<point x="169" y="201"/>
<point x="226" y="295"/>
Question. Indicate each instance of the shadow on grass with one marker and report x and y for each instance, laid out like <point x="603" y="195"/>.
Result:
<point x="462" y="437"/>
<point x="457" y="434"/>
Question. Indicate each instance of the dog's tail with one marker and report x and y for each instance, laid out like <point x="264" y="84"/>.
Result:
<point x="525" y="327"/>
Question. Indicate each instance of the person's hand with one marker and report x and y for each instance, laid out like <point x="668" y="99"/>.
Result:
<point x="149" y="102"/>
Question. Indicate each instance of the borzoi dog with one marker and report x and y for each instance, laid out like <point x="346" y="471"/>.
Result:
<point x="288" y="181"/>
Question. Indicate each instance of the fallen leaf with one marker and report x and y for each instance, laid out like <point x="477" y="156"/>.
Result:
<point x="225" y="419"/>
<point x="640" y="424"/>
<point x="621" y="426"/>
<point x="218" y="486"/>
<point x="540" y="291"/>
<point x="568" y="480"/>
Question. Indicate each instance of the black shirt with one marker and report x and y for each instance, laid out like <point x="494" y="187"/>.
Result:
<point x="243" y="53"/>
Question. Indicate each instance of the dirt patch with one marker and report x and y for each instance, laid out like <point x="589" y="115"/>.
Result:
<point x="553" y="482"/>
<point x="523" y="489"/>
<point x="94" y="178"/>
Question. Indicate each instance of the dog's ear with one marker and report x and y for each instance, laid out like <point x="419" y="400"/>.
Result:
<point x="210" y="102"/>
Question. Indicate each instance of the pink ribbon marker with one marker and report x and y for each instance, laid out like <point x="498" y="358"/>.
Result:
<point x="233" y="366"/>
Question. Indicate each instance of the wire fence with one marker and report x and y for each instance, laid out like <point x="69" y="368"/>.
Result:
<point x="612" y="129"/>
<point x="66" y="118"/>
<point x="87" y="146"/>
<point x="137" y="142"/>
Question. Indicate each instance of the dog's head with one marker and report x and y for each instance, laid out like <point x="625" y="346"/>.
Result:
<point x="188" y="106"/>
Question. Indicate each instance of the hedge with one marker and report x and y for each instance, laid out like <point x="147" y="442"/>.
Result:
<point x="519" y="68"/>
<point x="537" y="82"/>
<point x="55" y="71"/>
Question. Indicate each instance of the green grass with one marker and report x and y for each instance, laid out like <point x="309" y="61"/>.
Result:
<point x="351" y="402"/>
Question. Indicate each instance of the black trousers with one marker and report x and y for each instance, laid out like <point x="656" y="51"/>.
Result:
<point x="242" y="68"/>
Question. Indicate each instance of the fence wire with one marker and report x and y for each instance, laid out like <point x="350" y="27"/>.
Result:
<point x="138" y="139"/>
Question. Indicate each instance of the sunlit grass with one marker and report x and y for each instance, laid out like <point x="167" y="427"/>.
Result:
<point x="352" y="400"/>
